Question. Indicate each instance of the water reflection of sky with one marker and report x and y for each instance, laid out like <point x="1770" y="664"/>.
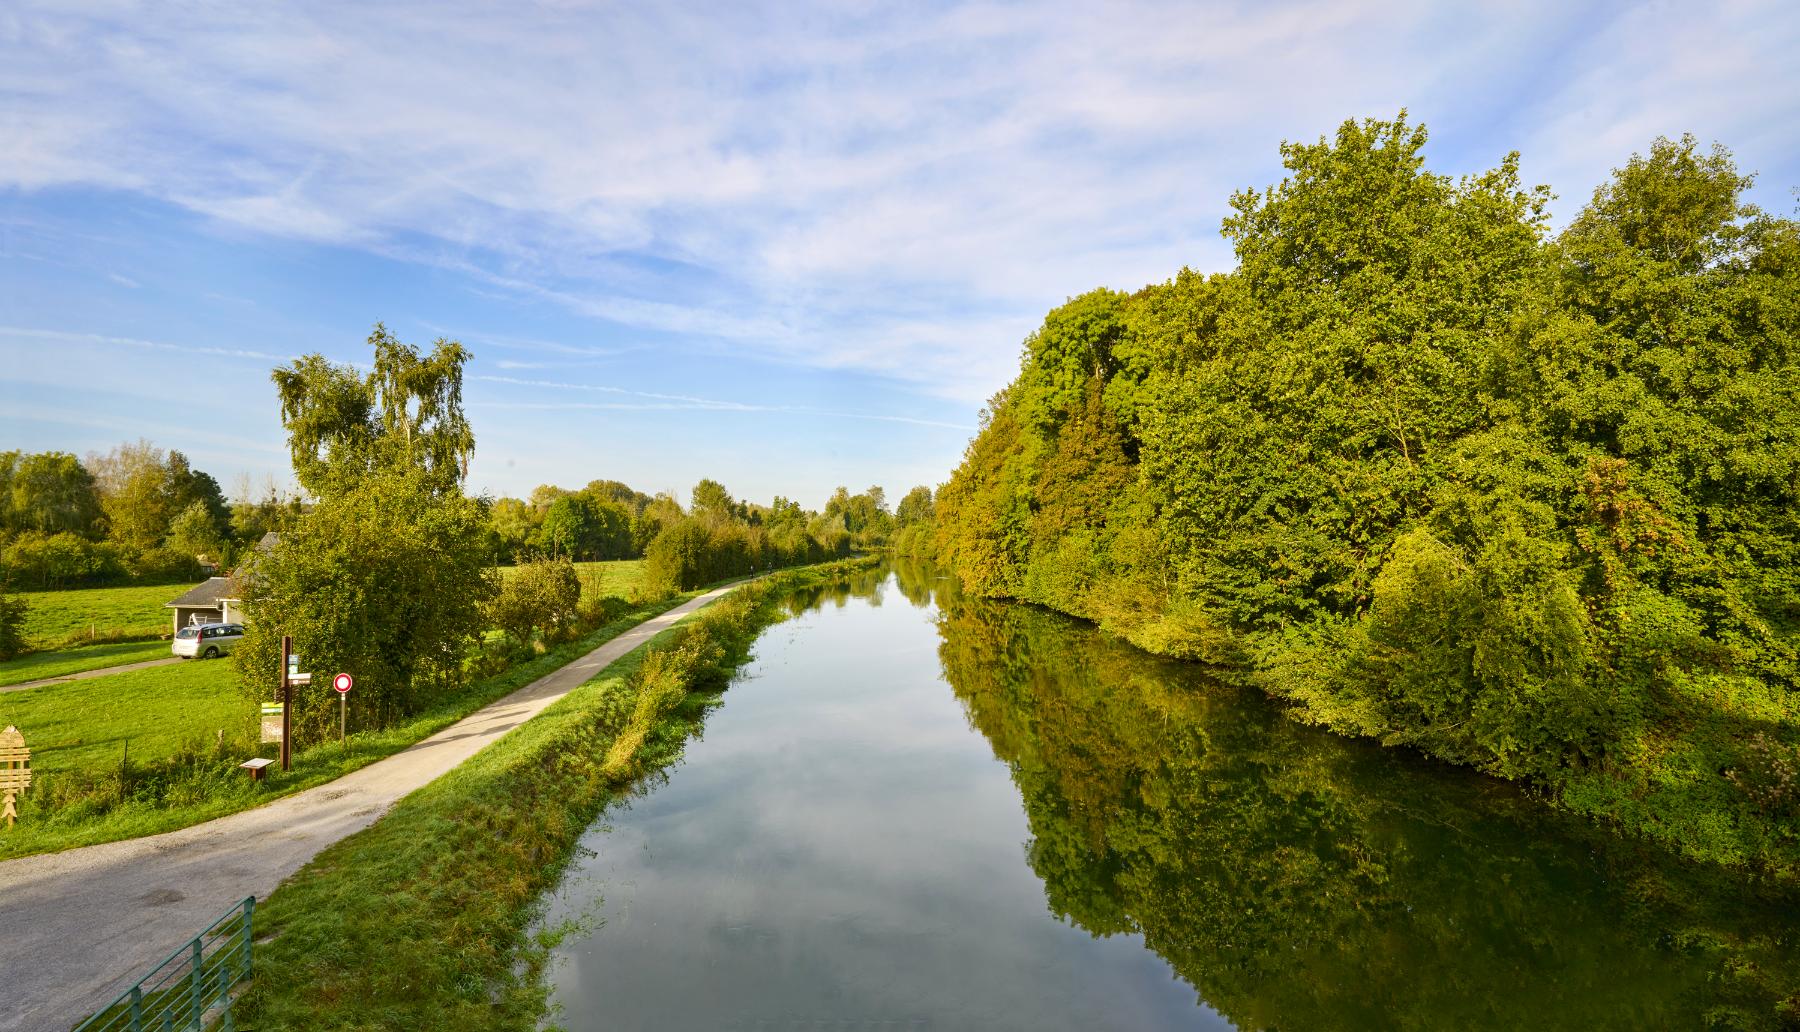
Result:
<point x="840" y="850"/>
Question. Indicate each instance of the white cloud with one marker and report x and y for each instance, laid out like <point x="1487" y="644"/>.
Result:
<point x="64" y="337"/>
<point x="678" y="402"/>
<point x="894" y="191"/>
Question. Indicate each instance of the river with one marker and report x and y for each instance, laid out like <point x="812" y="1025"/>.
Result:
<point x="913" y="810"/>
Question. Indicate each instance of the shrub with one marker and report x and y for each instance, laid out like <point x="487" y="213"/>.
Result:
<point x="12" y="626"/>
<point x="540" y="596"/>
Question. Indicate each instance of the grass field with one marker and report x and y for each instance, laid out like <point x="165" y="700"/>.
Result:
<point x="71" y="661"/>
<point x="614" y="577"/>
<point x="89" y="723"/>
<point x="54" y="619"/>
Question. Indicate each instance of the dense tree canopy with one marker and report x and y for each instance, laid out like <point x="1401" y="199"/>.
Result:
<point x="1523" y="501"/>
<point x="407" y="413"/>
<point x="135" y="513"/>
<point x="385" y="577"/>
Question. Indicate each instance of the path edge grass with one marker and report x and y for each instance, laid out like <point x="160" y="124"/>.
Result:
<point x="426" y="918"/>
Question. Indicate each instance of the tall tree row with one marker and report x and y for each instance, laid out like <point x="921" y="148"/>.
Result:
<point x="136" y="513"/>
<point x="1437" y="476"/>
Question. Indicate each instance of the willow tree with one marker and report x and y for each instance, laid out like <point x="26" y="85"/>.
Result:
<point x="384" y="576"/>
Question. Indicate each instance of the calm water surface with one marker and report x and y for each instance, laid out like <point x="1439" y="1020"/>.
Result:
<point x="915" y="811"/>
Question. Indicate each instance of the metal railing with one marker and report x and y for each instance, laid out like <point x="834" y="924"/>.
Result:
<point x="191" y="991"/>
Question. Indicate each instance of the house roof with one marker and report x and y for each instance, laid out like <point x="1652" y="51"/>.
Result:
<point x="211" y="593"/>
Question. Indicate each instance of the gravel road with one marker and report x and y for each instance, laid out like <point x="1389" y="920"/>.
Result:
<point x="78" y="927"/>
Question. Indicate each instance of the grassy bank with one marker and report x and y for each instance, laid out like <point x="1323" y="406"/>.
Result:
<point x="182" y="770"/>
<point x="395" y="927"/>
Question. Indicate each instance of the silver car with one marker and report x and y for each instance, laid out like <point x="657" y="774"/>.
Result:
<point x="207" y="641"/>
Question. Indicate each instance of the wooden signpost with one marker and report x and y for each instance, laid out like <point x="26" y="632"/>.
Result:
<point x="291" y="677"/>
<point x="15" y="771"/>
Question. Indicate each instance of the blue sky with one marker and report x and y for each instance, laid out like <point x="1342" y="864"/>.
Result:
<point x="787" y="247"/>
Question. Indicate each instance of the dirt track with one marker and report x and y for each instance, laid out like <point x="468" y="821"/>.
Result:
<point x="82" y="675"/>
<point x="78" y="927"/>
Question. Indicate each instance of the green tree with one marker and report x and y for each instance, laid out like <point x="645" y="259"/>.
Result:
<point x="132" y="482"/>
<point x="384" y="580"/>
<point x="711" y="499"/>
<point x="52" y="492"/>
<point x="344" y="427"/>
<point x="1524" y="503"/>
<point x="195" y="533"/>
<point x="188" y="486"/>
<point x="570" y="527"/>
<point x="614" y="491"/>
<point x="545" y="495"/>
<point x="512" y="528"/>
<point x="915" y="508"/>
<point x="9" y="468"/>
<point x="612" y="531"/>
<point x="385" y="576"/>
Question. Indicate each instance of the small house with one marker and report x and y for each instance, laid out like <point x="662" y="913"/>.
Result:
<point x="216" y="601"/>
<point x="219" y="600"/>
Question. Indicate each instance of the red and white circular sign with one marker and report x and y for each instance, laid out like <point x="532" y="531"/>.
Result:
<point x="342" y="682"/>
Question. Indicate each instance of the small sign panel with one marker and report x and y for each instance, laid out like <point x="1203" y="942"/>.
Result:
<point x="271" y="722"/>
<point x="342" y="683"/>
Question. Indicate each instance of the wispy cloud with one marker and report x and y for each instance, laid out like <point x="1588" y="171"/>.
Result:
<point x="900" y="192"/>
<point x="65" y="337"/>
<point x="678" y="402"/>
<point x="682" y="399"/>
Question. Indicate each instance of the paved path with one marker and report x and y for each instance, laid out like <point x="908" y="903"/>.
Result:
<point x="82" y="675"/>
<point x="78" y="927"/>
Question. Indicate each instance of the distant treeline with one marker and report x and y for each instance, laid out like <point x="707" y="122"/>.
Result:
<point x="715" y="537"/>
<point x="1523" y="501"/>
<point x="135" y="513"/>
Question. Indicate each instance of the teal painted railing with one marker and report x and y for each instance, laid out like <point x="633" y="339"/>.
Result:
<point x="191" y="991"/>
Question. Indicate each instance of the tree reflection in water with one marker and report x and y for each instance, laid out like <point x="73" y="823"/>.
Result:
<point x="1301" y="880"/>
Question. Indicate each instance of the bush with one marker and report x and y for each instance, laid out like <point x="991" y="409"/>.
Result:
<point x="541" y="596"/>
<point x="59" y="560"/>
<point x="12" y="627"/>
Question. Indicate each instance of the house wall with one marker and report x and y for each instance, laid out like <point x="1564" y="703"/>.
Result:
<point x="207" y="614"/>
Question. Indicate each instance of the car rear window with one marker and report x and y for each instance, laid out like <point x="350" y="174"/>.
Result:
<point x="188" y="632"/>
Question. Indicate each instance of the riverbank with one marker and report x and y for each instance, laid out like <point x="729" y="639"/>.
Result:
<point x="462" y="863"/>
<point x="1718" y="786"/>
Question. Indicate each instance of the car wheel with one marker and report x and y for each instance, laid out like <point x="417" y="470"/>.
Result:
<point x="212" y="652"/>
